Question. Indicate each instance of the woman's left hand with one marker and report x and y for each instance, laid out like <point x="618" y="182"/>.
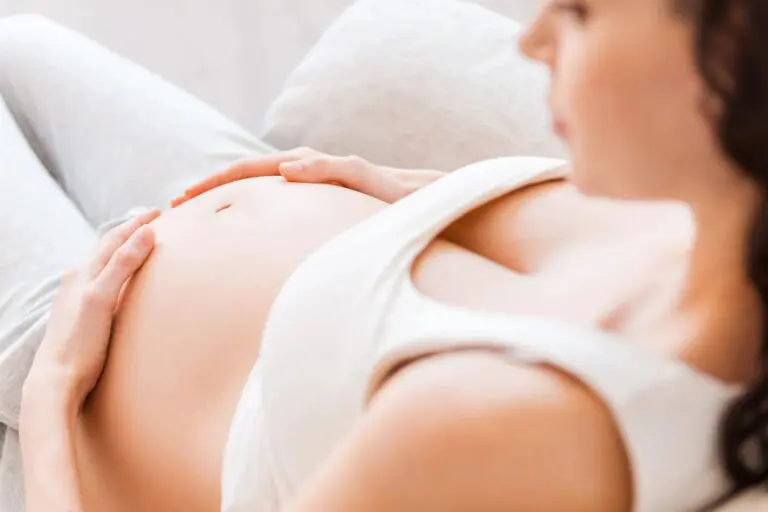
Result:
<point x="74" y="349"/>
<point x="305" y="165"/>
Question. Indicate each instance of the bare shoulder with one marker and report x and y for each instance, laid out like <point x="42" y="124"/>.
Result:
<point x="472" y="432"/>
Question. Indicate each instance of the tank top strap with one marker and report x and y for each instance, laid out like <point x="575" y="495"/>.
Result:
<point x="418" y="326"/>
<point x="412" y="222"/>
<point x="646" y="392"/>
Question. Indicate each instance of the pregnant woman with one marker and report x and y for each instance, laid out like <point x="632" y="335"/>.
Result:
<point x="500" y="339"/>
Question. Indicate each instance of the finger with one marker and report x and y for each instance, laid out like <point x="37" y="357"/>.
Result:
<point x="123" y="264"/>
<point x="177" y="201"/>
<point x="308" y="170"/>
<point x="344" y="171"/>
<point x="116" y="237"/>
<point x="250" y="168"/>
<point x="68" y="278"/>
<point x="68" y="284"/>
<point x="239" y="171"/>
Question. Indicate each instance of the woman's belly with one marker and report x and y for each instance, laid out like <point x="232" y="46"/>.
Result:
<point x="187" y="334"/>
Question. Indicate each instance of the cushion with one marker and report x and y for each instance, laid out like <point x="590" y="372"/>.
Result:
<point x="416" y="83"/>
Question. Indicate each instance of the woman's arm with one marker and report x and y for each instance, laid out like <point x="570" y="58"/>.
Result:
<point x="69" y="363"/>
<point x="48" y="422"/>
<point x="471" y="432"/>
<point x="491" y="231"/>
<point x="306" y="165"/>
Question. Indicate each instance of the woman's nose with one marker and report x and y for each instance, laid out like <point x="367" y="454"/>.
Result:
<point x="536" y="42"/>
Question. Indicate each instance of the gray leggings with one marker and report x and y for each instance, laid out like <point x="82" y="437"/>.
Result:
<point x="85" y="136"/>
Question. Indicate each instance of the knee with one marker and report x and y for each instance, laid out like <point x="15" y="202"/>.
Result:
<point x="24" y="28"/>
<point x="24" y="39"/>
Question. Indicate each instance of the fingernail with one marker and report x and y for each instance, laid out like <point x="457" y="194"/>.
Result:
<point x="151" y="215"/>
<point x="291" y="167"/>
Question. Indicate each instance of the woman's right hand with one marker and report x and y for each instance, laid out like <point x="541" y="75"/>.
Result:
<point x="70" y="361"/>
<point x="304" y="165"/>
<point x="77" y="336"/>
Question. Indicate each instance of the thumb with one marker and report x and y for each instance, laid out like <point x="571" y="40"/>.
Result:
<point x="308" y="170"/>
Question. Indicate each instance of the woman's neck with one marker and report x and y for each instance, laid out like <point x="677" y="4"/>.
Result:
<point x="716" y="293"/>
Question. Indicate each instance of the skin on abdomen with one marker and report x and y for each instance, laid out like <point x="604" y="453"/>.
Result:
<point x="187" y="334"/>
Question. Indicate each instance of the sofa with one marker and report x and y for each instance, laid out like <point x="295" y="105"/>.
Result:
<point x="234" y="54"/>
<point x="241" y="56"/>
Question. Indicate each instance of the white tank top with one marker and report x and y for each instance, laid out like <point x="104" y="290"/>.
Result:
<point x="350" y="314"/>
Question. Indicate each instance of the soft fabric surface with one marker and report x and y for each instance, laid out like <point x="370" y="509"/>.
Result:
<point x="233" y="54"/>
<point x="84" y="136"/>
<point x="416" y="83"/>
<point x="179" y="137"/>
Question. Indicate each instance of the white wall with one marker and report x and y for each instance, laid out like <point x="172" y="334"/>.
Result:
<point x="232" y="53"/>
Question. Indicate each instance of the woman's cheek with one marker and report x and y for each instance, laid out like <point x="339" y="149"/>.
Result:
<point x="583" y="89"/>
<point x="598" y="110"/>
<point x="599" y="84"/>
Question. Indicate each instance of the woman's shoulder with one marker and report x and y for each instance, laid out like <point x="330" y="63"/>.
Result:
<point x="471" y="431"/>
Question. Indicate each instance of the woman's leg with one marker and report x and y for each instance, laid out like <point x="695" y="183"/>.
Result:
<point x="110" y="132"/>
<point x="113" y="136"/>
<point x="41" y="232"/>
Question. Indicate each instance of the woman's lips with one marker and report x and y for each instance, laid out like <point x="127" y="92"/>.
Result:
<point x="560" y="128"/>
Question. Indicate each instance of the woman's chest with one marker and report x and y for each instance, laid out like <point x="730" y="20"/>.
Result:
<point x="598" y="262"/>
<point x="621" y="286"/>
<point x="592" y="262"/>
<point x="609" y="286"/>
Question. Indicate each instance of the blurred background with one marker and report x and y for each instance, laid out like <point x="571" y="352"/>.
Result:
<point x="234" y="54"/>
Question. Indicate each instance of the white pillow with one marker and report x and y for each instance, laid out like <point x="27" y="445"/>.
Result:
<point x="416" y="83"/>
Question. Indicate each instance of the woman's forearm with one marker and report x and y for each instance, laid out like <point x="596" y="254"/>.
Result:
<point x="47" y="428"/>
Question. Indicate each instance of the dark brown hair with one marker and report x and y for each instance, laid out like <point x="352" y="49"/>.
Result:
<point x="731" y="49"/>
